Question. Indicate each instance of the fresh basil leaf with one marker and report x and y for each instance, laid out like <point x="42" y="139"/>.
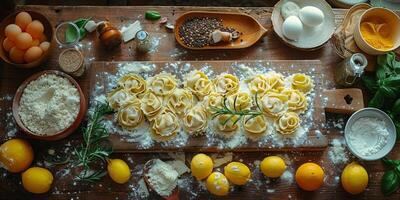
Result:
<point x="395" y="110"/>
<point x="397" y="125"/>
<point x="390" y="182"/>
<point x="378" y="100"/>
<point x="388" y="92"/>
<point x="70" y="32"/>
<point x="370" y="83"/>
<point x="391" y="163"/>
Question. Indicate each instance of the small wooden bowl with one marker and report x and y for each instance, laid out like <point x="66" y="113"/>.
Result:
<point x="62" y="134"/>
<point x="311" y="39"/>
<point x="48" y="31"/>
<point x="393" y="21"/>
<point x="250" y="28"/>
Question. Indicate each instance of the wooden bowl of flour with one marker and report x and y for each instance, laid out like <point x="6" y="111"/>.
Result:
<point x="57" y="135"/>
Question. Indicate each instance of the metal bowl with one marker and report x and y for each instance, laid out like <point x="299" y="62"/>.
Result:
<point x="376" y="113"/>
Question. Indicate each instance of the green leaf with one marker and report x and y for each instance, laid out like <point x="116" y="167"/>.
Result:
<point x="390" y="182"/>
<point x="378" y="100"/>
<point x="370" y="83"/>
<point x="152" y="15"/>
<point x="70" y="33"/>
<point x="391" y="163"/>
<point x="395" y="110"/>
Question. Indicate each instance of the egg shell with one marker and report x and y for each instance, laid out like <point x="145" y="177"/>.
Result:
<point x="12" y="31"/>
<point x="8" y="44"/>
<point x="311" y="16"/>
<point x="32" y="54"/>
<point x="17" y="55"/>
<point x="23" y="41"/>
<point x="35" y="28"/>
<point x="292" y="28"/>
<point x="23" y="19"/>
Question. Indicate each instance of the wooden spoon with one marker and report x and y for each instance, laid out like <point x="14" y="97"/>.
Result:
<point x="149" y="164"/>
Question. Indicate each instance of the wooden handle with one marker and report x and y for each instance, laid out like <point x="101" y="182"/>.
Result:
<point x="344" y="101"/>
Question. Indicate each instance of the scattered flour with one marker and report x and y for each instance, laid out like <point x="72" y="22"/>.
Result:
<point x="337" y="151"/>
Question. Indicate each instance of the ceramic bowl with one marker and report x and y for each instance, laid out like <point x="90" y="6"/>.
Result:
<point x="311" y="38"/>
<point x="393" y="21"/>
<point x="375" y="113"/>
<point x="62" y="134"/>
<point x="48" y="31"/>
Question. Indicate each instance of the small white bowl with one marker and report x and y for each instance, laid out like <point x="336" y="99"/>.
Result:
<point x="376" y="113"/>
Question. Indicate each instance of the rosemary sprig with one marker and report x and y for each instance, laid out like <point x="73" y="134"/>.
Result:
<point x="92" y="149"/>
<point x="225" y="110"/>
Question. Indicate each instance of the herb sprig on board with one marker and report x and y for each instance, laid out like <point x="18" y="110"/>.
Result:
<point x="93" y="148"/>
<point x="391" y="179"/>
<point x="225" y="110"/>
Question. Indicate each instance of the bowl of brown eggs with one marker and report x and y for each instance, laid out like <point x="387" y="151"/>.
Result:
<point x="26" y="39"/>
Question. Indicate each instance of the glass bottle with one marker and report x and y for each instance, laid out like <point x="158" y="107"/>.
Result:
<point x="350" y="70"/>
<point x="143" y="42"/>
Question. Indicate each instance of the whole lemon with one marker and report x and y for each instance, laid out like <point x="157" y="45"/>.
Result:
<point x="16" y="155"/>
<point x="201" y="166"/>
<point x="310" y="176"/>
<point x="118" y="170"/>
<point x="217" y="184"/>
<point x="273" y="166"/>
<point x="37" y="180"/>
<point x="354" y="178"/>
<point x="237" y="173"/>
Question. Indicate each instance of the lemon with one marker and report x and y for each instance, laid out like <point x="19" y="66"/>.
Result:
<point x="119" y="171"/>
<point x="201" y="166"/>
<point x="237" y="173"/>
<point x="217" y="184"/>
<point x="37" y="180"/>
<point x="354" y="178"/>
<point x="273" y="166"/>
<point x="16" y="155"/>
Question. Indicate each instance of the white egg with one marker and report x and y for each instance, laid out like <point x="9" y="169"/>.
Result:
<point x="292" y="28"/>
<point x="311" y="16"/>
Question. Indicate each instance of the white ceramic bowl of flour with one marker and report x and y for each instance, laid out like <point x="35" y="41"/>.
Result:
<point x="370" y="134"/>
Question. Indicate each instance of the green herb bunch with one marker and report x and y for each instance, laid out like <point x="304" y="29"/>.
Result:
<point x="385" y="85"/>
<point x="93" y="149"/>
<point x="391" y="179"/>
<point x="225" y="110"/>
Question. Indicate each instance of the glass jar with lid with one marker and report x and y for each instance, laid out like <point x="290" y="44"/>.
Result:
<point x="350" y="70"/>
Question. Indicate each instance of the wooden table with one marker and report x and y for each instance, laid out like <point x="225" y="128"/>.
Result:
<point x="269" y="48"/>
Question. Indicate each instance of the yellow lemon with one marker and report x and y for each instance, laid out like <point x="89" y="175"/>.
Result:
<point x="37" y="180"/>
<point x="201" y="166"/>
<point x="16" y="155"/>
<point x="354" y="178"/>
<point x="119" y="171"/>
<point x="310" y="176"/>
<point x="237" y="173"/>
<point x="217" y="184"/>
<point x="273" y="166"/>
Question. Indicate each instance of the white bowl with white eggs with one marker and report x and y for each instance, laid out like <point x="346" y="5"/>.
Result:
<point x="305" y="25"/>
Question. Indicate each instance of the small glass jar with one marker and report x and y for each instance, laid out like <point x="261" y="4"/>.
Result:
<point x="350" y="70"/>
<point x="67" y="35"/>
<point x="143" y="42"/>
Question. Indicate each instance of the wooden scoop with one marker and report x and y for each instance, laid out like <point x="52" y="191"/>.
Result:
<point x="147" y="166"/>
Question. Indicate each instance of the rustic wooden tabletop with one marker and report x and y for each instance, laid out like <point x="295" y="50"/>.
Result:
<point x="270" y="48"/>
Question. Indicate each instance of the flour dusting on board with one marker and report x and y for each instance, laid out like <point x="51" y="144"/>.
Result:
<point x="106" y="81"/>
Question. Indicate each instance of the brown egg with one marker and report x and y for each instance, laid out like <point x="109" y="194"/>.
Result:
<point x="23" y="19"/>
<point x="12" y="31"/>
<point x="35" y="42"/>
<point x="23" y="41"/>
<point x="44" y="46"/>
<point x="8" y="44"/>
<point x="35" y="28"/>
<point x="33" y="54"/>
<point x="17" y="55"/>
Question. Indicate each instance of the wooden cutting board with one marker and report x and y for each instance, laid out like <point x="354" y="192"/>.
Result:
<point x="323" y="80"/>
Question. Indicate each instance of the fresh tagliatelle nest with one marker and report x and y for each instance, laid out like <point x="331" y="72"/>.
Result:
<point x="224" y="105"/>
